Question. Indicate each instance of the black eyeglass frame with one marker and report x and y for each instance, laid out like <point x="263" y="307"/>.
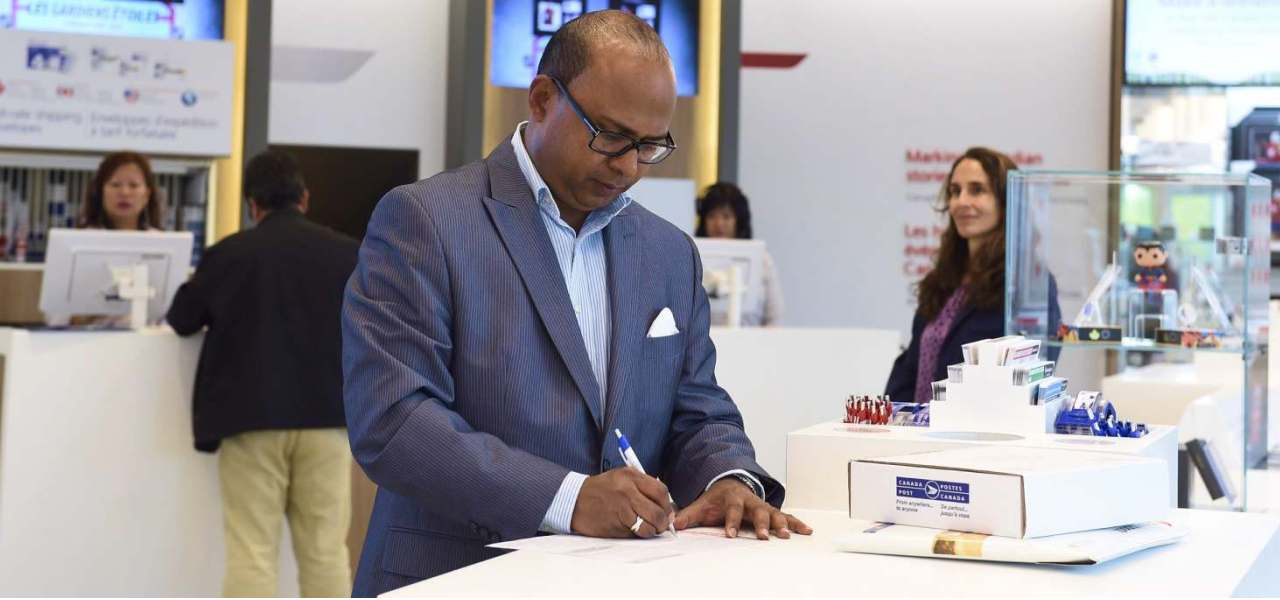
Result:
<point x="669" y="146"/>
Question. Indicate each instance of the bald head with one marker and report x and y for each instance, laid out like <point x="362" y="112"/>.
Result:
<point x="570" y="50"/>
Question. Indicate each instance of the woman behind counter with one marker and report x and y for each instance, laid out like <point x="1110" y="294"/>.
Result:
<point x="962" y="299"/>
<point x="122" y="195"/>
<point x="723" y="213"/>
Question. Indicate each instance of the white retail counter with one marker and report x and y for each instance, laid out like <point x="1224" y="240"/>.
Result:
<point x="1223" y="554"/>
<point x="783" y="379"/>
<point x="1203" y="398"/>
<point x="101" y="491"/>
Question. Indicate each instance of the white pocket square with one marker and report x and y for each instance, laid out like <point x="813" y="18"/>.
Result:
<point x="664" y="325"/>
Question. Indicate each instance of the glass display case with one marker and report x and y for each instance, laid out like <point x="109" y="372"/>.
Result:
<point x="1155" y="288"/>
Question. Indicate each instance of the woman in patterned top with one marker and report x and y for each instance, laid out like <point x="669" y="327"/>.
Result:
<point x="962" y="299"/>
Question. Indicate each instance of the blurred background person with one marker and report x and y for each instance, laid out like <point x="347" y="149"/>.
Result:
<point x="123" y="195"/>
<point x="268" y="391"/>
<point x="724" y="213"/>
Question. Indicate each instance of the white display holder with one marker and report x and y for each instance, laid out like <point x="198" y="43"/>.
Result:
<point x="132" y="285"/>
<point x="736" y="291"/>
<point x="728" y="282"/>
<point x="1151" y="310"/>
<point x="986" y="400"/>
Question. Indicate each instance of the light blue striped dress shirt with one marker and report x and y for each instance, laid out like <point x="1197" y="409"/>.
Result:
<point x="586" y="270"/>
<point x="585" y="267"/>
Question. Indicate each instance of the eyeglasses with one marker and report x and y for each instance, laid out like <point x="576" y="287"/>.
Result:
<point x="614" y="144"/>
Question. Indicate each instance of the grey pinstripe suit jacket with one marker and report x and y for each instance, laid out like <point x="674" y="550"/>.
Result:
<point x="468" y="391"/>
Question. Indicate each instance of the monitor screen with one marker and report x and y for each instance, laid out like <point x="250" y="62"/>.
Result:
<point x="1202" y="42"/>
<point x="92" y="282"/>
<point x="162" y="19"/>
<point x="79" y="276"/>
<point x="521" y="29"/>
<point x="718" y="257"/>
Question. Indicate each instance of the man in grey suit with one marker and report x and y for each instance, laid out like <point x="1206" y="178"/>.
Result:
<point x="508" y="316"/>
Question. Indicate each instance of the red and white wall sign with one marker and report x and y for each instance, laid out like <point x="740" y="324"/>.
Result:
<point x="852" y="112"/>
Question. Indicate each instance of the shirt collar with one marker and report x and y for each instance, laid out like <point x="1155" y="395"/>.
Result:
<point x="597" y="220"/>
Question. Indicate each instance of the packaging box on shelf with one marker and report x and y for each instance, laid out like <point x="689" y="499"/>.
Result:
<point x="818" y="456"/>
<point x="1031" y="492"/>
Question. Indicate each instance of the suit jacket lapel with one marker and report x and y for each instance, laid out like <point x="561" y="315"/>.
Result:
<point x="519" y="224"/>
<point x="623" y="246"/>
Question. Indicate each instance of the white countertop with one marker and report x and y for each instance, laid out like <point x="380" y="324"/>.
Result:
<point x="1225" y="553"/>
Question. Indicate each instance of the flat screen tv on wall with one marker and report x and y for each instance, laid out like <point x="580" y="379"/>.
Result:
<point x="162" y="19"/>
<point x="1202" y="43"/>
<point x="521" y="29"/>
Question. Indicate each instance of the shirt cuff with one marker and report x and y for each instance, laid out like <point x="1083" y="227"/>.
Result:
<point x="559" y="517"/>
<point x="758" y="488"/>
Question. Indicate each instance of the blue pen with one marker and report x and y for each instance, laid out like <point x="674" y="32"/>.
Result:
<point x="631" y="460"/>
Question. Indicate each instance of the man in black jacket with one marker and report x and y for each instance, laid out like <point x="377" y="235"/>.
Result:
<point x="269" y="386"/>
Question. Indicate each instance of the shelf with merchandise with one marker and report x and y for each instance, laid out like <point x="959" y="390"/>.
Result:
<point x="1124" y="271"/>
<point x="44" y="191"/>
<point x="1131" y="344"/>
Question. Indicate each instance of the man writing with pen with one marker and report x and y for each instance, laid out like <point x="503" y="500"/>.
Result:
<point x="507" y="317"/>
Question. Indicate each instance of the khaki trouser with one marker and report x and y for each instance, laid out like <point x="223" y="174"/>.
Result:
<point x="304" y="474"/>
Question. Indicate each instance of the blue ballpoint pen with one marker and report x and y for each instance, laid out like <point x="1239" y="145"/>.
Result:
<point x="631" y="460"/>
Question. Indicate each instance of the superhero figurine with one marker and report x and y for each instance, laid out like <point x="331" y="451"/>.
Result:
<point x="1151" y="259"/>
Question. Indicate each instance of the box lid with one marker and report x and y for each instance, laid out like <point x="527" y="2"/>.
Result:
<point x="1008" y="461"/>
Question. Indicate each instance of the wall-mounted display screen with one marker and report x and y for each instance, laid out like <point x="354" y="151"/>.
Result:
<point x="162" y="19"/>
<point x="521" y="29"/>
<point x="1202" y="42"/>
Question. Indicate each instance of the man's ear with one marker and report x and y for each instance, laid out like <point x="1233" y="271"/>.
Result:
<point x="542" y="94"/>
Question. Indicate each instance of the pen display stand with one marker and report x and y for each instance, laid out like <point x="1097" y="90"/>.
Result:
<point x="1131" y="277"/>
<point x="986" y="399"/>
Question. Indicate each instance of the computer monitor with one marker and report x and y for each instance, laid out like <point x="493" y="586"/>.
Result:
<point x="79" y="278"/>
<point x="718" y="255"/>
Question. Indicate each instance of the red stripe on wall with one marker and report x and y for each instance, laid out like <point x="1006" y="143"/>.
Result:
<point x="771" y="60"/>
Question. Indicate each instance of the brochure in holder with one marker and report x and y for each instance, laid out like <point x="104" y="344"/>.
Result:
<point x="998" y="390"/>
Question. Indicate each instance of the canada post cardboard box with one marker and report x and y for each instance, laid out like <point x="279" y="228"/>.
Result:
<point x="1011" y="492"/>
<point x="818" y="456"/>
